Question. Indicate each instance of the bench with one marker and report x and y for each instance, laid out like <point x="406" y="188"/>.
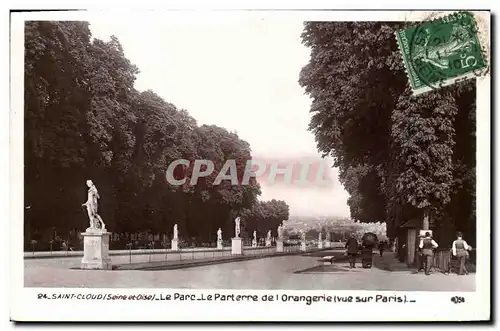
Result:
<point x="328" y="259"/>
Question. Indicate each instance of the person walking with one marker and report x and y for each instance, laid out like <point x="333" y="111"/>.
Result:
<point x="352" y="247"/>
<point x="427" y="245"/>
<point x="460" y="250"/>
<point x="419" y="257"/>
<point x="381" y="247"/>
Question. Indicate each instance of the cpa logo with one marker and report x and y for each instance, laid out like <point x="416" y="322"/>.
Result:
<point x="457" y="299"/>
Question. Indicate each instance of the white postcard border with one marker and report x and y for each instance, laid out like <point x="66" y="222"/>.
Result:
<point x="432" y="306"/>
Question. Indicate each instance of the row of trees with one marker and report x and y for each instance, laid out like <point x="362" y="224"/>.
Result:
<point x="84" y="120"/>
<point x="400" y="157"/>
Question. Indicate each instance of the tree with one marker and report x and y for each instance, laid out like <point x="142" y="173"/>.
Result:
<point x="84" y="120"/>
<point x="312" y="234"/>
<point x="57" y="101"/>
<point x="397" y="155"/>
<point x="265" y="216"/>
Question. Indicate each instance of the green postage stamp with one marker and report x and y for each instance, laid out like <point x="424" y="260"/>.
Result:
<point x="441" y="52"/>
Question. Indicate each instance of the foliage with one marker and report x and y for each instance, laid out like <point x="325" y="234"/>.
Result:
<point x="84" y="120"/>
<point x="398" y="155"/>
<point x="265" y="216"/>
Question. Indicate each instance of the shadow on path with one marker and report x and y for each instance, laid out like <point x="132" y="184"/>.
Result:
<point x="389" y="262"/>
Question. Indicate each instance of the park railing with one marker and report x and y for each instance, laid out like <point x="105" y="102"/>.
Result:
<point x="291" y="248"/>
<point x="446" y="262"/>
<point x="145" y="255"/>
<point x="193" y="254"/>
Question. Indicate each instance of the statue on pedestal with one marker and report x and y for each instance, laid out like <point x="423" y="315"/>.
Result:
<point x="176" y="232"/>
<point x="280" y="232"/>
<point x="96" y="221"/>
<point x="237" y="229"/>
<point x="268" y="238"/>
<point x="219" y="234"/>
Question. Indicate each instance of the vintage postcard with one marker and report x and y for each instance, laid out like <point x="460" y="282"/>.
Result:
<point x="250" y="165"/>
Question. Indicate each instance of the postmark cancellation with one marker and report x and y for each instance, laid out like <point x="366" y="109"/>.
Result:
<point x="442" y="51"/>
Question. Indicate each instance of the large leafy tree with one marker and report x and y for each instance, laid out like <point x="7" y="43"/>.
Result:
<point x="265" y="216"/>
<point x="57" y="101"/>
<point x="400" y="157"/>
<point x="84" y="120"/>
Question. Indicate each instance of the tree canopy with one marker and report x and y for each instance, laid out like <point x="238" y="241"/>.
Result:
<point x="85" y="120"/>
<point x="398" y="155"/>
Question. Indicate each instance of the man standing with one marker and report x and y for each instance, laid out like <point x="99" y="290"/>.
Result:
<point x="352" y="250"/>
<point x="419" y="259"/>
<point x="427" y="244"/>
<point x="460" y="250"/>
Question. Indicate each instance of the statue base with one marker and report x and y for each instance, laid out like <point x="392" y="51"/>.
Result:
<point x="279" y="245"/>
<point x="328" y="244"/>
<point x="254" y="243"/>
<point x="96" y="250"/>
<point x="237" y="246"/>
<point x="320" y="244"/>
<point x="219" y="244"/>
<point x="303" y="246"/>
<point x="268" y="243"/>
<point x="175" y="244"/>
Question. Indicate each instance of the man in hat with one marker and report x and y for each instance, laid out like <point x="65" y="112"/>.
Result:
<point x="427" y="245"/>
<point x="460" y="250"/>
<point x="352" y="247"/>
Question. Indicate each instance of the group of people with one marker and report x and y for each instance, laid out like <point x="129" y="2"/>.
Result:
<point x="459" y="249"/>
<point x="366" y="248"/>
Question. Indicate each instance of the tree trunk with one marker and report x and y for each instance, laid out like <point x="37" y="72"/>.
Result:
<point x="426" y="219"/>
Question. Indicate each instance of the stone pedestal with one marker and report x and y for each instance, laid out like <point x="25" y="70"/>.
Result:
<point x="320" y="244"/>
<point x="279" y="245"/>
<point x="303" y="246"/>
<point x="237" y="246"/>
<point x="219" y="244"/>
<point x="328" y="244"/>
<point x="96" y="250"/>
<point x="175" y="244"/>
<point x="268" y="243"/>
<point x="254" y="243"/>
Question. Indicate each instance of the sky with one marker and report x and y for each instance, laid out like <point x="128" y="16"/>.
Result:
<point x="239" y="74"/>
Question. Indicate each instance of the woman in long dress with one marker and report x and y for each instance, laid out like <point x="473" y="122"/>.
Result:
<point x="369" y="241"/>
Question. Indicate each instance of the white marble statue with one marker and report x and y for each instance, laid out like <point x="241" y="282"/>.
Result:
<point x="303" y="236"/>
<point x="255" y="236"/>
<point x="280" y="232"/>
<point x="237" y="229"/>
<point x="320" y="236"/>
<point x="96" y="221"/>
<point x="328" y="236"/>
<point x="219" y="234"/>
<point x="176" y="232"/>
<point x="268" y="235"/>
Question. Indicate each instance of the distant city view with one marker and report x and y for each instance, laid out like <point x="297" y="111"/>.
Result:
<point x="339" y="226"/>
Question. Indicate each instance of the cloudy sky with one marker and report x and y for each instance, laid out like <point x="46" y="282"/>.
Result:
<point x="240" y="74"/>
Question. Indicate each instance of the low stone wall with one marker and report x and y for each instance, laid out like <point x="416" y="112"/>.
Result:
<point x="185" y="252"/>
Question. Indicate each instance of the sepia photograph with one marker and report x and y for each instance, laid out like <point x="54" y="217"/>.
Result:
<point x="253" y="151"/>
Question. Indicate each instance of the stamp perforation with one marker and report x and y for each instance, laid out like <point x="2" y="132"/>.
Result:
<point x="419" y="54"/>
